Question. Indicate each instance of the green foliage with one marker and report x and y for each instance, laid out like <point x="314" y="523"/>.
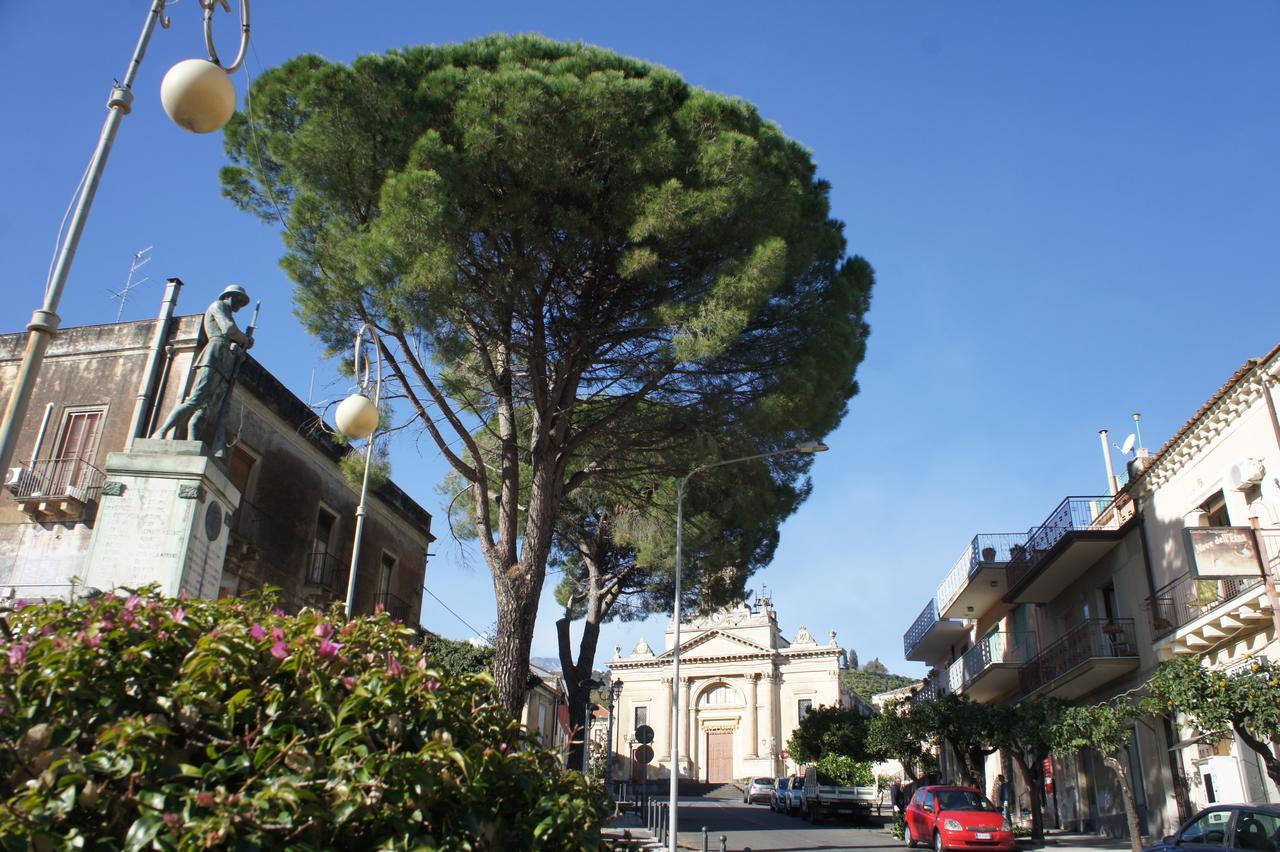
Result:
<point x="875" y="667"/>
<point x="867" y="683"/>
<point x="457" y="658"/>
<point x="151" y="722"/>
<point x="899" y="827"/>
<point x="1217" y="704"/>
<point x="1106" y="727"/>
<point x="903" y="731"/>
<point x="829" y="730"/>
<point x="352" y="467"/>
<point x="843" y="771"/>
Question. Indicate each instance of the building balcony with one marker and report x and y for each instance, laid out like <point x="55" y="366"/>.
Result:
<point x="397" y="608"/>
<point x="991" y="667"/>
<point x="928" y="690"/>
<point x="326" y="575"/>
<point x="1191" y="615"/>
<point x="1079" y="532"/>
<point x="978" y="580"/>
<point x="930" y="637"/>
<point x="1082" y="660"/>
<point x="56" y="489"/>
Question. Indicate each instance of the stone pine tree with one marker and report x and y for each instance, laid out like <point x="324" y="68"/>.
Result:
<point x="1108" y="728"/>
<point x="596" y="263"/>
<point x="1218" y="704"/>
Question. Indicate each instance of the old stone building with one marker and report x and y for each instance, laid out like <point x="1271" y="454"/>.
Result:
<point x="743" y="689"/>
<point x="103" y="386"/>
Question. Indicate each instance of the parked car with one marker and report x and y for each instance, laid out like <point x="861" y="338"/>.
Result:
<point x="795" y="795"/>
<point x="1252" y="827"/>
<point x="757" y="790"/>
<point x="823" y="799"/>
<point x="778" y="795"/>
<point x="947" y="817"/>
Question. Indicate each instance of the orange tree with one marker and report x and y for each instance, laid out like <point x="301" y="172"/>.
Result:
<point x="146" y="722"/>
<point x="1218" y="704"/>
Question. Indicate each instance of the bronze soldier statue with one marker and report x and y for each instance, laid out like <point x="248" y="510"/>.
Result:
<point x="216" y="367"/>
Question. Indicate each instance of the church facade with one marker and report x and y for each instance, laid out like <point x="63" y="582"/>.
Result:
<point x="743" y="686"/>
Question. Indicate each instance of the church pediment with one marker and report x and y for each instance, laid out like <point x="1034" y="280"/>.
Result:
<point x="717" y="643"/>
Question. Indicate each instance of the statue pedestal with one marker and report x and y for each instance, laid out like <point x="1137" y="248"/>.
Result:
<point x="163" y="518"/>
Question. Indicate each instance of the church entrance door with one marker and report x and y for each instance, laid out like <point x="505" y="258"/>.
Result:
<point x="719" y="757"/>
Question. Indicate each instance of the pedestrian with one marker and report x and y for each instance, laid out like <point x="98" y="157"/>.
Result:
<point x="1002" y="794"/>
<point x="898" y="796"/>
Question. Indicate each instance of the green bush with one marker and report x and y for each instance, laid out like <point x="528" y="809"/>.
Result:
<point x="151" y="722"/>
<point x="899" y="827"/>
<point x="843" y="771"/>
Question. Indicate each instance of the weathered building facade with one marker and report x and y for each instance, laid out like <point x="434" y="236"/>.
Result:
<point x="743" y="689"/>
<point x="102" y="386"/>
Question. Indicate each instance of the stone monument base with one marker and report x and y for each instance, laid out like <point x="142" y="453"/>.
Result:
<point x="164" y="517"/>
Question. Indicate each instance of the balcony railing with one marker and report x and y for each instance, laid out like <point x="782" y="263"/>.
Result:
<point x="985" y="549"/>
<point x="952" y="678"/>
<point x="397" y="608"/>
<point x="1187" y="598"/>
<point x="324" y="570"/>
<point x="1093" y="639"/>
<point x="1074" y="514"/>
<point x="926" y="619"/>
<point x="58" y="479"/>
<point x="997" y="648"/>
<point x="928" y="691"/>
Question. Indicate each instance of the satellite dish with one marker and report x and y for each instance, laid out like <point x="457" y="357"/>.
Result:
<point x="1127" y="446"/>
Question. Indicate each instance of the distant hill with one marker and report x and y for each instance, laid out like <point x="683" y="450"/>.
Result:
<point x="869" y="683"/>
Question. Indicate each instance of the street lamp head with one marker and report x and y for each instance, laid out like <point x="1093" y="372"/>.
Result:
<point x="198" y="95"/>
<point x="357" y="416"/>
<point x="811" y="447"/>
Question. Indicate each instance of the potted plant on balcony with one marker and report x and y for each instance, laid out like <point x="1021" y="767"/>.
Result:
<point x="988" y="554"/>
<point x="1017" y="553"/>
<point x="1112" y="628"/>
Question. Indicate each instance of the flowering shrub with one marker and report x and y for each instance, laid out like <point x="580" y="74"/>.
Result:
<point x="149" y="722"/>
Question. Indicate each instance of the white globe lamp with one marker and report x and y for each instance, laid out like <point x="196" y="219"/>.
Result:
<point x="198" y="95"/>
<point x="357" y="416"/>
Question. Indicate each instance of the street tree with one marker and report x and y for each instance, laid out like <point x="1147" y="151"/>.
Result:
<point x="830" y="730"/>
<point x="1218" y="704"/>
<point x="598" y="264"/>
<point x="970" y="728"/>
<point x="904" y="732"/>
<point x="1026" y="732"/>
<point x="1108" y="728"/>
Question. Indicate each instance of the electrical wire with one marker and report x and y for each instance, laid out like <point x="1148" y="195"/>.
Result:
<point x="253" y="133"/>
<point x="469" y="625"/>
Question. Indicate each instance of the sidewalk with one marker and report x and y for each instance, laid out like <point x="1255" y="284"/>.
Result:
<point x="627" y="831"/>
<point x="1061" y="841"/>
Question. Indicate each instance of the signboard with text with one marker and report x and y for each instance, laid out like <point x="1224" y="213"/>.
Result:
<point x="1218" y="553"/>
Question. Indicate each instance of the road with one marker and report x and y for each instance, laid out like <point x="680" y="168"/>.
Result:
<point x="760" y="829"/>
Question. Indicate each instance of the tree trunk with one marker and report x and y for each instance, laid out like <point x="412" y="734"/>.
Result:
<point x="1032" y="772"/>
<point x="574" y="675"/>
<point x="1265" y="751"/>
<point x="517" y="609"/>
<point x="1130" y="803"/>
<point x="962" y="765"/>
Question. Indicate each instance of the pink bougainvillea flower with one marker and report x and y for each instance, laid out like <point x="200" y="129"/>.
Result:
<point x="432" y="684"/>
<point x="133" y="603"/>
<point x="179" y="615"/>
<point x="204" y="799"/>
<point x="92" y="641"/>
<point x="394" y="669"/>
<point x="349" y="683"/>
<point x="323" y="630"/>
<point x="258" y="632"/>
<point x="163" y="635"/>
<point x="502" y="747"/>
<point x="18" y="655"/>
<point x="19" y="605"/>
<point x="279" y="650"/>
<point x="328" y="649"/>
<point x="47" y="630"/>
<point x="379" y="608"/>
<point x="278" y="612"/>
<point x="277" y="634"/>
<point x="422" y="664"/>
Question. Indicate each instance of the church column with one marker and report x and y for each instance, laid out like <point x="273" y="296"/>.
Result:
<point x="771" y="720"/>
<point x="695" y="743"/>
<point x="753" y="715"/>
<point x="686" y="718"/>
<point x="663" y="755"/>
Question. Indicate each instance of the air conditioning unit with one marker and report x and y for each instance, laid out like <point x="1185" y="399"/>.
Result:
<point x="12" y="476"/>
<point x="1245" y="474"/>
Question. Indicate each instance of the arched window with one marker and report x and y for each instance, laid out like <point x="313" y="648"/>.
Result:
<point x="720" y="695"/>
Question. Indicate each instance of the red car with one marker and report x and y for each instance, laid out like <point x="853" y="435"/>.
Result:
<point x="956" y="818"/>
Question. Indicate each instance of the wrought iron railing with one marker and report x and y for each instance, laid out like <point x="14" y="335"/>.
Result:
<point x="1074" y="514"/>
<point x="1187" y="598"/>
<point x="324" y="570"/>
<point x="985" y="549"/>
<point x="995" y="648"/>
<point x="397" y="608"/>
<point x="58" y="478"/>
<point x="926" y="619"/>
<point x="1092" y="639"/>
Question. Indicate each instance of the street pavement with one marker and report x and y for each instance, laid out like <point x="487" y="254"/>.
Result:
<point x="757" y="828"/>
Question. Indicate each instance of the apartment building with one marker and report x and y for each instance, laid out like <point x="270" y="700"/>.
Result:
<point x="1084" y="606"/>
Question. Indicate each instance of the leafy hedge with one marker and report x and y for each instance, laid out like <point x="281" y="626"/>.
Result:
<point x="843" y="771"/>
<point x="151" y="722"/>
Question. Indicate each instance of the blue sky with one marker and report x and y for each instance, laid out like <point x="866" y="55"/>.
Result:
<point x="1072" y="209"/>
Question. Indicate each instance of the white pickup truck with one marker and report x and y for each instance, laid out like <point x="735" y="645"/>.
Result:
<point x="826" y="800"/>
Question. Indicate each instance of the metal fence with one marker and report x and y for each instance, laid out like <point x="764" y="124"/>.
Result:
<point x="1187" y="598"/>
<point x="1097" y="637"/>
<point x="984" y="549"/>
<point x="324" y="570"/>
<point x="397" y="608"/>
<point x="58" y="478"/>
<point x="926" y="619"/>
<point x="1073" y="514"/>
<point x="995" y="648"/>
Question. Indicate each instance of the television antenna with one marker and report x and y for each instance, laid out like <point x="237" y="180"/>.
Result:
<point x="140" y="259"/>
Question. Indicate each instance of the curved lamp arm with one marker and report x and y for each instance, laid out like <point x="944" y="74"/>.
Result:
<point x="208" y="6"/>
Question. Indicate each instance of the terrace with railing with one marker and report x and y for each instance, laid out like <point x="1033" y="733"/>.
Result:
<point x="397" y="608"/>
<point x="930" y="636"/>
<point x="62" y="486"/>
<point x="977" y="579"/>
<point x="1083" y="659"/>
<point x="326" y="572"/>
<point x="1080" y="529"/>
<point x="991" y="666"/>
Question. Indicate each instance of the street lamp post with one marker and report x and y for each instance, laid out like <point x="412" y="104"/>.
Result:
<point x="357" y="417"/>
<point x="615" y="692"/>
<point x="805" y="447"/>
<point x="590" y="684"/>
<point x="198" y="95"/>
